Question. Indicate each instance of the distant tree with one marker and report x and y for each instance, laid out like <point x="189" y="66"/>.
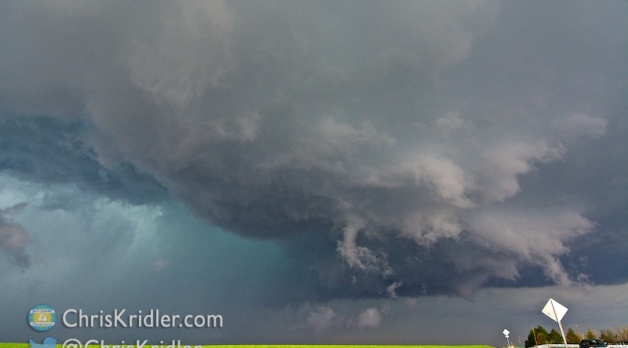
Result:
<point x="608" y="336"/>
<point x="537" y="336"/>
<point x="531" y="341"/>
<point x="622" y="334"/>
<point x="572" y="336"/>
<point x="555" y="337"/>
<point x="542" y="338"/>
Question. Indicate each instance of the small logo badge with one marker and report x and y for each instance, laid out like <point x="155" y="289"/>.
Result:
<point x="42" y="317"/>
<point x="49" y="342"/>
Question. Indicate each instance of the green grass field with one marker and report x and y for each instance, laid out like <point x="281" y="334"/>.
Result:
<point x="25" y="345"/>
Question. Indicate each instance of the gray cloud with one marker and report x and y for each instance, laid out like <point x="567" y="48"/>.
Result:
<point x="321" y="318"/>
<point x="370" y="318"/>
<point x="379" y="144"/>
<point x="13" y="237"/>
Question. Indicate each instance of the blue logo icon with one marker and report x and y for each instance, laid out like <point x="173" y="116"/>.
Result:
<point x="42" y="317"/>
<point x="49" y="342"/>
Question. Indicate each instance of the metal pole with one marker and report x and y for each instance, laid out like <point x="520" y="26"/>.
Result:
<point x="562" y="332"/>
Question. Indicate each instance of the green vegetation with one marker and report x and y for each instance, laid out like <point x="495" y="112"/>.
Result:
<point x="539" y="335"/>
<point x="336" y="346"/>
<point x="25" y="345"/>
<point x="13" y="345"/>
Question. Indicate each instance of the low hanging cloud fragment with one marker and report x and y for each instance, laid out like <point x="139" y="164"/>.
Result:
<point x="13" y="237"/>
<point x="370" y="318"/>
<point x="321" y="319"/>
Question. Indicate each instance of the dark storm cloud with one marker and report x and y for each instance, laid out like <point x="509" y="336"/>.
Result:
<point x="47" y="150"/>
<point x="383" y="144"/>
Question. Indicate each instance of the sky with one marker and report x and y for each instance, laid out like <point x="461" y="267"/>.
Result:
<point x="398" y="172"/>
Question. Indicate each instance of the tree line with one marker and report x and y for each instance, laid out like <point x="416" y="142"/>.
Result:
<point x="539" y="335"/>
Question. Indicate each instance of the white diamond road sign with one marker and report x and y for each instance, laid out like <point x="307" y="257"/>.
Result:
<point x="506" y="333"/>
<point x="554" y="310"/>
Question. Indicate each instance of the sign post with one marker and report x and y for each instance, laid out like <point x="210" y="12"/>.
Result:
<point x="556" y="312"/>
<point x="506" y="333"/>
